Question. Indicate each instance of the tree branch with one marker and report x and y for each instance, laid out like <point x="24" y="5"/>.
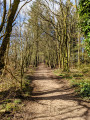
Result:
<point x="21" y="8"/>
<point x="4" y="14"/>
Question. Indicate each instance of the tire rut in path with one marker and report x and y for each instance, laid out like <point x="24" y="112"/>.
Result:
<point x="53" y="99"/>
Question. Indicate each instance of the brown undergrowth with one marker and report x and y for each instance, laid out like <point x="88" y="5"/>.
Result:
<point x="11" y="95"/>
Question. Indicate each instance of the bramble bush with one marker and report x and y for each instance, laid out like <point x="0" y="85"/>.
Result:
<point x="82" y="87"/>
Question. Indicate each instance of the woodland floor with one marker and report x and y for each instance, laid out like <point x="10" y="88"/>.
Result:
<point x="52" y="99"/>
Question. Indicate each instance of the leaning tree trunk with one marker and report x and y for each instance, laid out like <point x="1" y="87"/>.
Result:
<point x="8" y="30"/>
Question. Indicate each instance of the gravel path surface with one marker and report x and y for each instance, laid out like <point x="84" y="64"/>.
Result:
<point x="53" y="99"/>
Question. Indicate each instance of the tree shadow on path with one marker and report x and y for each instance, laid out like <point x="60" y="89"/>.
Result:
<point x="66" y="94"/>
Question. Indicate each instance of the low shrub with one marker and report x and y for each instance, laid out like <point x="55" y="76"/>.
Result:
<point x="10" y="106"/>
<point x="82" y="87"/>
<point x="17" y="101"/>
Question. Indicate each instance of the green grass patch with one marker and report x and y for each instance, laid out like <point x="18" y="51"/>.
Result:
<point x="79" y="80"/>
<point x="17" y="101"/>
<point x="66" y="75"/>
<point x="77" y="75"/>
<point x="10" y="106"/>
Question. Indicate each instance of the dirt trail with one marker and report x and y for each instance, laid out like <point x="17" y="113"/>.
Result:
<point x="53" y="99"/>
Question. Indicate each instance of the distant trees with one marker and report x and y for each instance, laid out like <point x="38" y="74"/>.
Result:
<point x="55" y="34"/>
<point x="58" y="35"/>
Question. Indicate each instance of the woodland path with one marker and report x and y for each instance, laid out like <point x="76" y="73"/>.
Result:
<point x="52" y="99"/>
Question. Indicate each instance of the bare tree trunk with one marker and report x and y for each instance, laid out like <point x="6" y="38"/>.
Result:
<point x="8" y="31"/>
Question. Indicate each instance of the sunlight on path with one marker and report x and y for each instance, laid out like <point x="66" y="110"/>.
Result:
<point x="53" y="100"/>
